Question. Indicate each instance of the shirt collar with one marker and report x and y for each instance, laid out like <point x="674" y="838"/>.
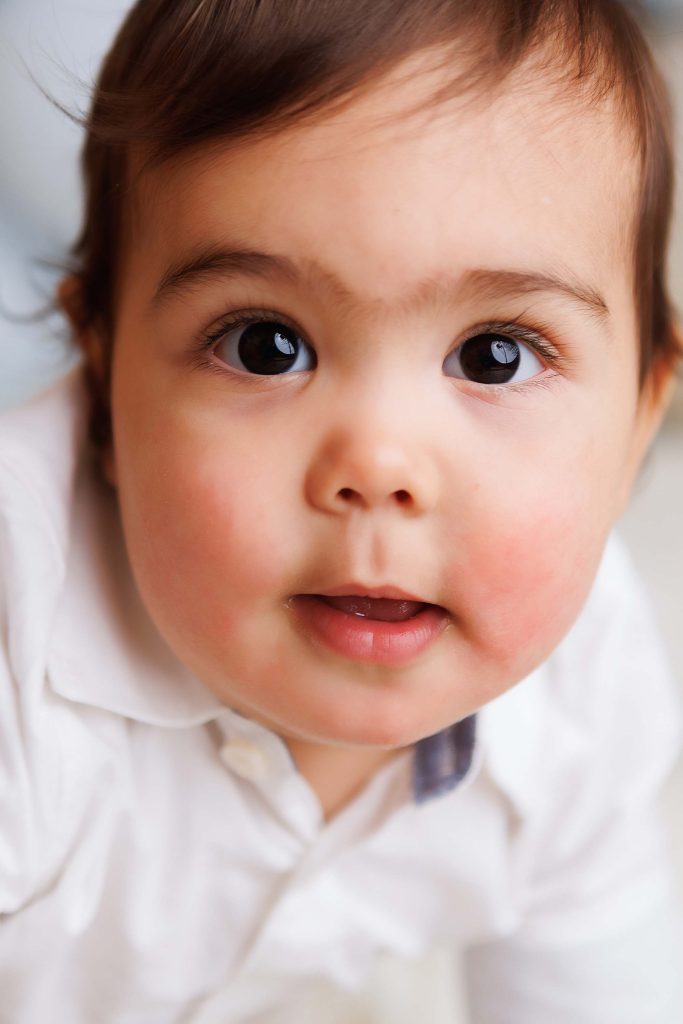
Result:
<point x="513" y="730"/>
<point x="105" y="649"/>
<point x="442" y="761"/>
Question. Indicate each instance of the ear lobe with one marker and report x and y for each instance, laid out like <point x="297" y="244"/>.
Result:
<point x="89" y="336"/>
<point x="86" y="332"/>
<point x="658" y="390"/>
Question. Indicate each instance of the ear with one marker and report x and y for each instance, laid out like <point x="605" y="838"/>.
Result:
<point x="654" y="400"/>
<point x="90" y="338"/>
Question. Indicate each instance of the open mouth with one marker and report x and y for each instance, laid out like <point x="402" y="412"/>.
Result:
<point x="382" y="609"/>
<point x="383" y="630"/>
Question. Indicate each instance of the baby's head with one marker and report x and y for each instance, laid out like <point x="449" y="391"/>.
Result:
<point x="374" y="294"/>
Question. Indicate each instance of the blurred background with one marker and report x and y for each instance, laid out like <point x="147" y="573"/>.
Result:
<point x="56" y="46"/>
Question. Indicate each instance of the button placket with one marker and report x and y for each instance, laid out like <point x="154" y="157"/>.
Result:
<point x="261" y="758"/>
<point x="245" y="757"/>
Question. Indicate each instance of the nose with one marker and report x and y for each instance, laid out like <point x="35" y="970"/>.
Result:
<point x="352" y="470"/>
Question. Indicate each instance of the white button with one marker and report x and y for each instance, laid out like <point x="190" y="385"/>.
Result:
<point x="245" y="758"/>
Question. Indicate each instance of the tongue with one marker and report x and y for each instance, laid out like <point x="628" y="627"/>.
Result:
<point x="385" y="609"/>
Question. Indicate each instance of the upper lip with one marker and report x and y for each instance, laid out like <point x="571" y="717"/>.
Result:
<point x="359" y="590"/>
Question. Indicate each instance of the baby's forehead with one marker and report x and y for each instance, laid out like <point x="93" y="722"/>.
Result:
<point x="516" y="148"/>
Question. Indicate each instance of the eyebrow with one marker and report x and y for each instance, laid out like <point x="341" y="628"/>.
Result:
<point x="516" y="282"/>
<point x="210" y="262"/>
<point x="214" y="262"/>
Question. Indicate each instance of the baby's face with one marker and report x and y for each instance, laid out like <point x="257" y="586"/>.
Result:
<point x="387" y="356"/>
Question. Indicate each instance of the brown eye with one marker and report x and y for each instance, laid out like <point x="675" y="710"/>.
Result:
<point x="265" y="348"/>
<point x="491" y="358"/>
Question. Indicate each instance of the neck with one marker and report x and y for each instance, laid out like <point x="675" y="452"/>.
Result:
<point x="337" y="774"/>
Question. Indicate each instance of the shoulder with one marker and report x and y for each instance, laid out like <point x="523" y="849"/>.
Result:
<point x="581" y="749"/>
<point x="600" y="720"/>
<point x="611" y="675"/>
<point x="39" y="445"/>
<point x="618" y="608"/>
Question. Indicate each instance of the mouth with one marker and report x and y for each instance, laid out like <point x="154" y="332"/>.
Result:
<point x="381" y="609"/>
<point x="384" y="626"/>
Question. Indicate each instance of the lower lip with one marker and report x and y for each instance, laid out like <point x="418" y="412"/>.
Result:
<point x="369" y="640"/>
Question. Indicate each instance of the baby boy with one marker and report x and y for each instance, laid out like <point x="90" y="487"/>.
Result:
<point x="376" y="336"/>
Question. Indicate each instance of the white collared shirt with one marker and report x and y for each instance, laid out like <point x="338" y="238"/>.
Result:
<point x="162" y="861"/>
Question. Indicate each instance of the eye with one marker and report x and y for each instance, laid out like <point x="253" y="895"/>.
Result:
<point x="266" y="347"/>
<point x="492" y="358"/>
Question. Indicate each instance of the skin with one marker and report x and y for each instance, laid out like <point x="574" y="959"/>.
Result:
<point x="377" y="464"/>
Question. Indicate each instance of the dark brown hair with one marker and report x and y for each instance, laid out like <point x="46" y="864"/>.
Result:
<point x="184" y="72"/>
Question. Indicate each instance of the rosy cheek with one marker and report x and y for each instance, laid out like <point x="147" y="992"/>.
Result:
<point x="202" y="537"/>
<point x="526" y="584"/>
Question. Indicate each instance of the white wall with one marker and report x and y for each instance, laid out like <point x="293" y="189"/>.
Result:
<point x="59" y="43"/>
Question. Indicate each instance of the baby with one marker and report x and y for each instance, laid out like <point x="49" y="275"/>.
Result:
<point x="376" y="336"/>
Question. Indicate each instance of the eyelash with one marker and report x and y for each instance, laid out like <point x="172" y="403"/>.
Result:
<point x="535" y="337"/>
<point x="201" y="350"/>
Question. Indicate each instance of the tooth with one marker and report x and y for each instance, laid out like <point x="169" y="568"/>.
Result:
<point x="384" y="609"/>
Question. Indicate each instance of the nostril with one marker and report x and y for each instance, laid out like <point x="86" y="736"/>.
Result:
<point x="402" y="496"/>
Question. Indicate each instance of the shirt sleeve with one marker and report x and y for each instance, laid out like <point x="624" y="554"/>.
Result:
<point x="628" y="977"/>
<point x="600" y="939"/>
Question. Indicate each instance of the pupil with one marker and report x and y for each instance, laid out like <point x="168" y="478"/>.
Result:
<point x="490" y="359"/>
<point x="268" y="348"/>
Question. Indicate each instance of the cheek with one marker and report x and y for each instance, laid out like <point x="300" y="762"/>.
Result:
<point x="527" y="559"/>
<point x="202" y="535"/>
<point x="527" y="575"/>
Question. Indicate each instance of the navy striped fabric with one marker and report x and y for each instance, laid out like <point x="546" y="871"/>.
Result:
<point x="442" y="761"/>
